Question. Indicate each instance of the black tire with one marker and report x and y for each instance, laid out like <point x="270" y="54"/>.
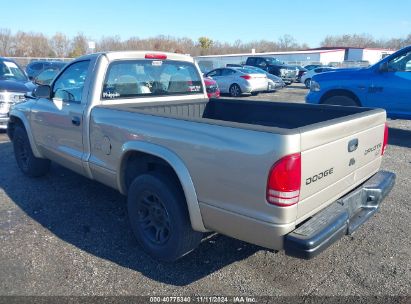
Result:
<point x="235" y="90"/>
<point x="255" y="93"/>
<point x="27" y="162"/>
<point x="341" y="100"/>
<point x="307" y="83"/>
<point x="159" y="217"/>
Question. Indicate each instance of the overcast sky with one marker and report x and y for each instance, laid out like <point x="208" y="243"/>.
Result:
<point x="306" y="20"/>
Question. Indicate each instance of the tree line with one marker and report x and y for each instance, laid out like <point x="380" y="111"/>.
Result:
<point x="32" y="44"/>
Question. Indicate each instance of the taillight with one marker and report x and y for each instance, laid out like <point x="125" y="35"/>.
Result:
<point x="385" y="143"/>
<point x="246" y="77"/>
<point x="284" y="181"/>
<point x="156" y="56"/>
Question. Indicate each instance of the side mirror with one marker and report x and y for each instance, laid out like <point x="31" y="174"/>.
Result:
<point x="383" y="68"/>
<point x="42" y="91"/>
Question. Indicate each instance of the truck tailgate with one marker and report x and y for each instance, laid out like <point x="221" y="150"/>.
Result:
<point x="336" y="157"/>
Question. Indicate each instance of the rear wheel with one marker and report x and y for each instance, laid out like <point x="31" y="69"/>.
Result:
<point x="235" y="90"/>
<point x="27" y="162"/>
<point x="159" y="217"/>
<point x="254" y="93"/>
<point x="341" y="100"/>
<point x="307" y="83"/>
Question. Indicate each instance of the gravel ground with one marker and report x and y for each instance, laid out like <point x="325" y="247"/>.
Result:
<point x="66" y="235"/>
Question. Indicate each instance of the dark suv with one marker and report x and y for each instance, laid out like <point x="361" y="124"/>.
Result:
<point x="275" y="67"/>
<point x="13" y="85"/>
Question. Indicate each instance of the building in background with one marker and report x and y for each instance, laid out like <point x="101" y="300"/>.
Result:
<point x="370" y="55"/>
<point x="335" y="56"/>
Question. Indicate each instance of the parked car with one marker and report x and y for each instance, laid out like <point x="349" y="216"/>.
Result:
<point x="275" y="82"/>
<point x="36" y="67"/>
<point x="235" y="81"/>
<point x="386" y="84"/>
<point x="312" y="66"/>
<point x="286" y="176"/>
<point x="306" y="78"/>
<point x="212" y="88"/>
<point x="46" y="76"/>
<point x="274" y="66"/>
<point x="300" y="72"/>
<point x="14" y="84"/>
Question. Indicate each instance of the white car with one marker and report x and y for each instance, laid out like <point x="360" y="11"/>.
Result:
<point x="306" y="78"/>
<point x="236" y="81"/>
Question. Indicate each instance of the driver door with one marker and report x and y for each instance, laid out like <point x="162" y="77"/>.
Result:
<point x="391" y="89"/>
<point x="58" y="122"/>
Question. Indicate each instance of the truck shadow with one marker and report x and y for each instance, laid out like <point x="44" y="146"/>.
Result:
<point x="93" y="218"/>
<point x="399" y="137"/>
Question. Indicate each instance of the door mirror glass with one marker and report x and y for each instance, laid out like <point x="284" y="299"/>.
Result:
<point x="42" y="91"/>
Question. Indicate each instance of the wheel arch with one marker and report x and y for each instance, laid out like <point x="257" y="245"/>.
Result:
<point x="149" y="155"/>
<point x="340" y="92"/>
<point x="18" y="118"/>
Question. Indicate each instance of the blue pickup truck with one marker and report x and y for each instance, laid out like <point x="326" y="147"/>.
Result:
<point x="386" y="84"/>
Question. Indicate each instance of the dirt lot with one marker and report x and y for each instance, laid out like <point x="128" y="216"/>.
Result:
<point x="66" y="235"/>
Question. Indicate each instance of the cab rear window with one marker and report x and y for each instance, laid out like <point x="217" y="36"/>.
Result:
<point x="147" y="78"/>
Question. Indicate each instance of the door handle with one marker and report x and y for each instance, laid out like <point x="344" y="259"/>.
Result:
<point x="75" y="120"/>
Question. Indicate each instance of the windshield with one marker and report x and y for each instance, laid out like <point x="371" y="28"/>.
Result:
<point x="10" y="70"/>
<point x="132" y="78"/>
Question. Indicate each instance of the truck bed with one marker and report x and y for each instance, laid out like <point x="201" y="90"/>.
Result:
<point x="276" y="115"/>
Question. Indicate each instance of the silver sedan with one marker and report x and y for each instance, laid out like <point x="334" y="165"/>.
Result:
<point x="236" y="81"/>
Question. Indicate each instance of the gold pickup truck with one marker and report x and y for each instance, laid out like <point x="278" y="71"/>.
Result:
<point x="280" y="175"/>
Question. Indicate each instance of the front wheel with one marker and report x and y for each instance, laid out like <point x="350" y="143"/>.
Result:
<point x="27" y="162"/>
<point x="159" y="217"/>
<point x="341" y="100"/>
<point x="235" y="90"/>
<point x="307" y="83"/>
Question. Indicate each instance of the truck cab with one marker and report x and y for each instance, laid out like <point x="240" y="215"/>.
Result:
<point x="387" y="84"/>
<point x="274" y="66"/>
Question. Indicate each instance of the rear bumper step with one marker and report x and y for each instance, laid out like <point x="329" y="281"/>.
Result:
<point x="342" y="217"/>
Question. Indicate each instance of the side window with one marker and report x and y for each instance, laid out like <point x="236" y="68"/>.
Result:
<point x="251" y="61"/>
<point x="227" y="72"/>
<point x="69" y="86"/>
<point x="214" y="73"/>
<point x="402" y="63"/>
<point x="261" y="62"/>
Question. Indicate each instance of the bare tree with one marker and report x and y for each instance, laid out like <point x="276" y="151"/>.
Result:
<point x="29" y="44"/>
<point x="351" y="40"/>
<point x="111" y="43"/>
<point x="78" y="45"/>
<point x="5" y="41"/>
<point x="60" y="45"/>
<point x="287" y="43"/>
